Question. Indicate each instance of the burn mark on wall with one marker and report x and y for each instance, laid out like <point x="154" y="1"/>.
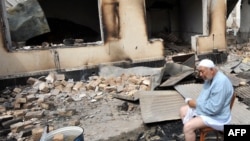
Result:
<point x="56" y="59"/>
<point x="217" y="27"/>
<point x="117" y="20"/>
<point x="116" y="52"/>
<point x="111" y="20"/>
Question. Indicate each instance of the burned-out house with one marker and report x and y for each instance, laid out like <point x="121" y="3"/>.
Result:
<point x="64" y="35"/>
<point x="76" y="39"/>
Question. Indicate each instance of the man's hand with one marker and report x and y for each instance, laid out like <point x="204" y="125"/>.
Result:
<point x="187" y="100"/>
<point x="190" y="102"/>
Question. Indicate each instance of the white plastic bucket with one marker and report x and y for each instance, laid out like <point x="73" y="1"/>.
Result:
<point x="71" y="133"/>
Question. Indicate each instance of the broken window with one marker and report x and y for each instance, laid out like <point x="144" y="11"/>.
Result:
<point x="174" y="21"/>
<point x="39" y="24"/>
<point x="162" y="18"/>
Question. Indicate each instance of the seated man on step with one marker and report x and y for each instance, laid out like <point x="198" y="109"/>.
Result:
<point x="212" y="107"/>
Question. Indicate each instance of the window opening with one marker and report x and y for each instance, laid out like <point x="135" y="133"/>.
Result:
<point x="174" y="22"/>
<point x="41" y="24"/>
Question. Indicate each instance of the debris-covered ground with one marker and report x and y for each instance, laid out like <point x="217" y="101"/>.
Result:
<point x="96" y="104"/>
<point x="52" y="100"/>
<point x="63" y="103"/>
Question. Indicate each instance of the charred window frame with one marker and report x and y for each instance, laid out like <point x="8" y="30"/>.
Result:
<point x="93" y="25"/>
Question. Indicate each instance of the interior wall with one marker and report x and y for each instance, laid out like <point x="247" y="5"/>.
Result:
<point x="77" y="11"/>
<point x="181" y="18"/>
<point x="133" y="45"/>
<point x="160" y="20"/>
<point x="162" y="17"/>
<point x="190" y="19"/>
<point x="244" y="31"/>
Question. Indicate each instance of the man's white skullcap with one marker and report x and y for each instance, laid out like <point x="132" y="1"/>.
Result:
<point x="206" y="63"/>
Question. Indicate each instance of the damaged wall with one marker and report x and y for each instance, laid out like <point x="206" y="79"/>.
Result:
<point x="132" y="44"/>
<point x="216" y="26"/>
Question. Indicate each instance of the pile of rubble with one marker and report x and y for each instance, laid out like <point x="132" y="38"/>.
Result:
<point x="26" y="110"/>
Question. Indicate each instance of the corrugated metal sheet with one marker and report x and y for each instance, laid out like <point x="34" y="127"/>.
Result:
<point x="176" y="78"/>
<point x="234" y="79"/>
<point x="185" y="59"/>
<point x="189" y="90"/>
<point x="240" y="113"/>
<point x="190" y="62"/>
<point x="159" y="106"/>
<point x="243" y="91"/>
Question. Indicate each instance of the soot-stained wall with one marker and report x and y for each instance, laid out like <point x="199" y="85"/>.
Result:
<point x="125" y="39"/>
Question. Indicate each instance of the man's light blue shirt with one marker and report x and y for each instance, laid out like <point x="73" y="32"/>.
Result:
<point x="215" y="98"/>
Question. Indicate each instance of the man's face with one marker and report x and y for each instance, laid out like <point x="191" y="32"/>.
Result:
<point x="205" y="73"/>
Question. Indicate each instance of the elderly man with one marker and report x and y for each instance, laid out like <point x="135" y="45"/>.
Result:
<point x="212" y="107"/>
